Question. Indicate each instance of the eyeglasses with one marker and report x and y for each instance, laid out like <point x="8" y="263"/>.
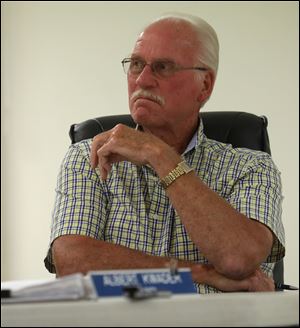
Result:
<point x="160" y="68"/>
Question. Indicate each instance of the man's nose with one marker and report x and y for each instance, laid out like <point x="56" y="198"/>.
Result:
<point x="147" y="78"/>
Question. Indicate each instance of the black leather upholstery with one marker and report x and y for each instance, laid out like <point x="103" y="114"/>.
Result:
<point x="94" y="126"/>
<point x="237" y="128"/>
<point x="240" y="129"/>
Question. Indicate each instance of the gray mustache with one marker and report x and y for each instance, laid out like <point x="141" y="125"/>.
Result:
<point x="148" y="95"/>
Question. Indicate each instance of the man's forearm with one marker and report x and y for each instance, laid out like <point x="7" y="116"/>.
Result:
<point x="221" y="232"/>
<point x="74" y="253"/>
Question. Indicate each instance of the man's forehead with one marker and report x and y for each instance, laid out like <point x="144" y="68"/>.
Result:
<point x="169" y="29"/>
<point x="167" y="35"/>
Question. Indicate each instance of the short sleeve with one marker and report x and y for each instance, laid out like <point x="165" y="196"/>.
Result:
<point x="80" y="201"/>
<point x="258" y="195"/>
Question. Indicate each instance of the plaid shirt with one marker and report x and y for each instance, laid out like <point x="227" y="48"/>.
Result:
<point x="131" y="208"/>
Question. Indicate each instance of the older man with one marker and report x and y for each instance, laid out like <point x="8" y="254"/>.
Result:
<point x="137" y="198"/>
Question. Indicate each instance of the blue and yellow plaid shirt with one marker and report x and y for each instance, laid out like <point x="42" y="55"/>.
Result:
<point x="131" y="208"/>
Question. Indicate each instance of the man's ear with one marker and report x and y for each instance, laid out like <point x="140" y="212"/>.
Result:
<point x="207" y="86"/>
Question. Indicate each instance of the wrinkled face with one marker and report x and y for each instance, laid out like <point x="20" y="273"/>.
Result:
<point x="166" y="100"/>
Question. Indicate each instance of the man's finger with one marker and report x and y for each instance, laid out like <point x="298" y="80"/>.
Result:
<point x="97" y="143"/>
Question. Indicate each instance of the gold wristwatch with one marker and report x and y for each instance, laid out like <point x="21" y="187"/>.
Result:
<point x="180" y="169"/>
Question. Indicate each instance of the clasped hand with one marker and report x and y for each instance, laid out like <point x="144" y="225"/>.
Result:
<point x="258" y="281"/>
<point x="121" y="144"/>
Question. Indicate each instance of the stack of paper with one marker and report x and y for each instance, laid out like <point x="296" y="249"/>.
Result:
<point x="71" y="287"/>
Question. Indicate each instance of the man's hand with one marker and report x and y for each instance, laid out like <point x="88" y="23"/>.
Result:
<point x="258" y="281"/>
<point x="119" y="144"/>
<point x="122" y="143"/>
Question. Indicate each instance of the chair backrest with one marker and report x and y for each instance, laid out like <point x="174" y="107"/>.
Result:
<point x="237" y="128"/>
<point x="240" y="129"/>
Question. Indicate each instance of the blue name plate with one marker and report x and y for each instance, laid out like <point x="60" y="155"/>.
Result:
<point x="112" y="283"/>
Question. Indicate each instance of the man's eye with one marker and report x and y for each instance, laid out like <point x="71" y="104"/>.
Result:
<point x="164" y="67"/>
<point x="161" y="66"/>
<point x="137" y="64"/>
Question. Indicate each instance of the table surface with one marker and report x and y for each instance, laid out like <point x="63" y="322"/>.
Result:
<point x="226" y="309"/>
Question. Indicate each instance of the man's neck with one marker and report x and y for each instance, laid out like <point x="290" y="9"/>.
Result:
<point x="177" y="138"/>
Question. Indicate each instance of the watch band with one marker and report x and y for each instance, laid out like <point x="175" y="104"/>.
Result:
<point x="181" y="169"/>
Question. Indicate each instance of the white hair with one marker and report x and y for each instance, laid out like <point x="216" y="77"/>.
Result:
<point x="209" y="50"/>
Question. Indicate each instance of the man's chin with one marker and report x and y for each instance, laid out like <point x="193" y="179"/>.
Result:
<point x="142" y="115"/>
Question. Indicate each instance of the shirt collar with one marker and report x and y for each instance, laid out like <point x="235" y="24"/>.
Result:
<point x="197" y="138"/>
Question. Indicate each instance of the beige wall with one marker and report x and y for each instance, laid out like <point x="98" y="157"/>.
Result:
<point x="61" y="64"/>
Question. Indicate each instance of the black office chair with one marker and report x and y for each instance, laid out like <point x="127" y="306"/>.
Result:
<point x="237" y="128"/>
